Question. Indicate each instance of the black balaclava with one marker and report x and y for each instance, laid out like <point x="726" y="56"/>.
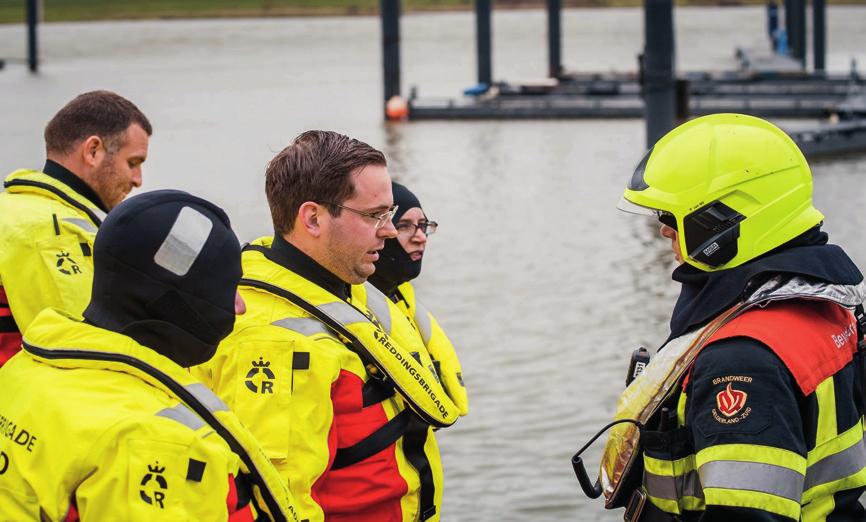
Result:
<point x="394" y="266"/>
<point x="166" y="270"/>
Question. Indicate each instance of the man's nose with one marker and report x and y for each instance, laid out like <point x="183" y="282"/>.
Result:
<point x="388" y="231"/>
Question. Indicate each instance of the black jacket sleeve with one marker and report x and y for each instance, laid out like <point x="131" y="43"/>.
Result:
<point x="741" y="394"/>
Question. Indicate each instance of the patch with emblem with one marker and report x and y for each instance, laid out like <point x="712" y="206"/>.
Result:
<point x="731" y="405"/>
<point x="66" y="264"/>
<point x="266" y="379"/>
<point x="154" y="486"/>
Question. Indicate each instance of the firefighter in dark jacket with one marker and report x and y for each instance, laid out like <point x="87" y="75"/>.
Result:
<point x="759" y="382"/>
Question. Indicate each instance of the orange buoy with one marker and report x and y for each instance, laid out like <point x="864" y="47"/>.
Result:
<point x="397" y="109"/>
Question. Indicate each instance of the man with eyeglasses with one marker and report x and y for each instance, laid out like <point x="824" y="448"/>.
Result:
<point x="338" y="402"/>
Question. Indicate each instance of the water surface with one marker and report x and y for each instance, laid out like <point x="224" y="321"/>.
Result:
<point x="543" y="285"/>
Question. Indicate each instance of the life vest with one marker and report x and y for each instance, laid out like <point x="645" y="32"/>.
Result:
<point x="394" y="318"/>
<point x="100" y="358"/>
<point x="46" y="241"/>
<point x="438" y="345"/>
<point x="315" y="378"/>
<point x="818" y="315"/>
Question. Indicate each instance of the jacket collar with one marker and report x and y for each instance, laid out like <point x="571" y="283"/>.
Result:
<point x="68" y="178"/>
<point x="704" y="295"/>
<point x="292" y="258"/>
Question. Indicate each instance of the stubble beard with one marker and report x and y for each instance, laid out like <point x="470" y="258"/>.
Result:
<point x="340" y="262"/>
<point x="105" y="179"/>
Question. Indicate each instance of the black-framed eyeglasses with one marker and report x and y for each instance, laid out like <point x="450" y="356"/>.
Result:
<point x="381" y="218"/>
<point x="408" y="229"/>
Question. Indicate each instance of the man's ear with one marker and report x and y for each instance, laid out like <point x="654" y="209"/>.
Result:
<point x="91" y="151"/>
<point x="310" y="218"/>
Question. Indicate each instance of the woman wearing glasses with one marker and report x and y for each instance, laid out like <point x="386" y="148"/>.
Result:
<point x="400" y="262"/>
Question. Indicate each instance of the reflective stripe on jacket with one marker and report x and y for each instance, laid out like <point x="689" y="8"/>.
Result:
<point x="95" y="424"/>
<point x="748" y="437"/>
<point x="313" y="404"/>
<point x="46" y="240"/>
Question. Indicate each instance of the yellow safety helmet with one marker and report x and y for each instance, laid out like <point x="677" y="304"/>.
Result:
<point x="734" y="187"/>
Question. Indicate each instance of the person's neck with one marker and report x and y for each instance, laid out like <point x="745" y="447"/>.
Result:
<point x="68" y="174"/>
<point x="292" y="255"/>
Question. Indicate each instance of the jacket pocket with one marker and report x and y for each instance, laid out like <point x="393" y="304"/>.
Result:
<point x="670" y="478"/>
<point x="69" y="271"/>
<point x="263" y="392"/>
<point x="156" y="481"/>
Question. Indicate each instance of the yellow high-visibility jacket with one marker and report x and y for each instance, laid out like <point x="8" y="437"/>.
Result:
<point x="425" y="325"/>
<point x="46" y="240"/>
<point x="94" y="426"/>
<point x="348" y="446"/>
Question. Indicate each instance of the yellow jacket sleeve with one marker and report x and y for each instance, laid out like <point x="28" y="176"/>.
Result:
<point x="154" y="469"/>
<point x="257" y="371"/>
<point x="41" y="269"/>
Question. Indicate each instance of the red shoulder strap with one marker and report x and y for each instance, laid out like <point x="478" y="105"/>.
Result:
<point x="814" y="338"/>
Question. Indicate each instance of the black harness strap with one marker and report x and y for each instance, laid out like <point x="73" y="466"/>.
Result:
<point x="374" y="442"/>
<point x="7" y="322"/>
<point x="413" y="447"/>
<point x="374" y="392"/>
<point x="57" y="192"/>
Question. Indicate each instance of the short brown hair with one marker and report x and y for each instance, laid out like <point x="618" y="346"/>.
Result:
<point x="97" y="113"/>
<point x="316" y="166"/>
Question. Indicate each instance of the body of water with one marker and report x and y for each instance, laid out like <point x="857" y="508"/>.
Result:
<point x="542" y="284"/>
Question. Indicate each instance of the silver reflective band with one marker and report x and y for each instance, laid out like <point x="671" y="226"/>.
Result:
<point x="673" y="488"/>
<point x="206" y="397"/>
<point x="785" y="287"/>
<point x="753" y="476"/>
<point x="423" y="322"/>
<point x="183" y="415"/>
<point x="82" y="223"/>
<point x="378" y="304"/>
<point x="303" y="325"/>
<point x="837" y="466"/>
<point x="184" y="241"/>
<point x="343" y="313"/>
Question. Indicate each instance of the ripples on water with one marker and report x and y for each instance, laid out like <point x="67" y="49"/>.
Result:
<point x="543" y="285"/>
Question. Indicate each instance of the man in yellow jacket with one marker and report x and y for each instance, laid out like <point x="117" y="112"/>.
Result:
<point x="95" y="145"/>
<point x="99" y="420"/>
<point x="340" y="405"/>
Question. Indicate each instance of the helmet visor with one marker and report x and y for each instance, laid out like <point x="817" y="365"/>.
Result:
<point x="633" y="208"/>
<point x="665" y="218"/>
